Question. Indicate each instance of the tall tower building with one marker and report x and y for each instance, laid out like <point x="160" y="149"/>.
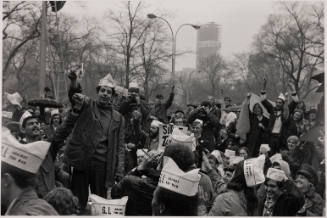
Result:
<point x="208" y="41"/>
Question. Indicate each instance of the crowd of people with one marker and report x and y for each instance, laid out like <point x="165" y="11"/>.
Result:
<point x="263" y="158"/>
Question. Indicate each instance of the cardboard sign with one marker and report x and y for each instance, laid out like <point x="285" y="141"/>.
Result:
<point x="104" y="207"/>
<point x="253" y="171"/>
<point x="165" y="131"/>
<point x="7" y="114"/>
<point x="174" y="179"/>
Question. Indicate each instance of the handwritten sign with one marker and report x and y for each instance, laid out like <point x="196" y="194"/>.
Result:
<point x="165" y="130"/>
<point x="104" y="207"/>
<point x="253" y="171"/>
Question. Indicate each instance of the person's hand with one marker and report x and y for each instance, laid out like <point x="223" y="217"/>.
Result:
<point x="148" y="162"/>
<point x="78" y="100"/>
<point x="72" y="75"/>
<point x="131" y="145"/>
<point x="205" y="166"/>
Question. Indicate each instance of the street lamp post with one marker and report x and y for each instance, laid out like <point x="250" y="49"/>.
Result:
<point x="174" y="37"/>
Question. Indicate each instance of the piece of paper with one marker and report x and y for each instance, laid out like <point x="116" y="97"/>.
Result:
<point x="104" y="207"/>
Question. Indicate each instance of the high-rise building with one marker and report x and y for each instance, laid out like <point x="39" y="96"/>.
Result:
<point x="208" y="41"/>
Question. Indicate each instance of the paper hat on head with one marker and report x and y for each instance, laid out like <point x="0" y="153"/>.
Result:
<point x="184" y="139"/>
<point x="55" y="112"/>
<point x="121" y="91"/>
<point x="217" y="155"/>
<point x="283" y="166"/>
<point x="282" y="97"/>
<point x="235" y="160"/>
<point x="176" y="180"/>
<point x="156" y="123"/>
<point x="253" y="171"/>
<point x="134" y="85"/>
<point x="141" y="152"/>
<point x="104" y="207"/>
<point x="275" y="157"/>
<point x="229" y="153"/>
<point x="276" y="175"/>
<point x="198" y="121"/>
<point x="264" y="147"/>
<point x="7" y="114"/>
<point x="25" y="115"/>
<point x="14" y="98"/>
<point x="26" y="157"/>
<point x="107" y="81"/>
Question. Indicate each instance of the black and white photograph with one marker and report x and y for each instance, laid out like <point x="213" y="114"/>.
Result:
<point x="163" y="108"/>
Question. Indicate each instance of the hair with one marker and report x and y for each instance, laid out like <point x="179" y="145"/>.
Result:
<point x="181" y="154"/>
<point x="60" y="118"/>
<point x="28" y="118"/>
<point x="206" y="104"/>
<point x="238" y="183"/>
<point x="63" y="200"/>
<point x="213" y="158"/>
<point x="177" y="204"/>
<point x="293" y="137"/>
<point x="23" y="179"/>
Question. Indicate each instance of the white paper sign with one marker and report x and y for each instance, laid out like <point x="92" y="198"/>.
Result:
<point x="165" y="130"/>
<point x="253" y="171"/>
<point x="174" y="179"/>
<point x="7" y="114"/>
<point x="104" y="207"/>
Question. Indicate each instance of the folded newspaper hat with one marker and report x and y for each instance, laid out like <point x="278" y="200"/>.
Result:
<point x="264" y="147"/>
<point x="275" y="157"/>
<point x="198" y="121"/>
<point x="235" y="160"/>
<point x="54" y="112"/>
<point x="156" y="123"/>
<point x="7" y="114"/>
<point x="229" y="153"/>
<point x="107" y="81"/>
<point x="276" y="175"/>
<point x="104" y="207"/>
<point x="283" y="166"/>
<point x="176" y="180"/>
<point x="282" y="97"/>
<point x="27" y="157"/>
<point x="184" y="139"/>
<point x="253" y="171"/>
<point x="133" y="85"/>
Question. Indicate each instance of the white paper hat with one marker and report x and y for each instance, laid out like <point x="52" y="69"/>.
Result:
<point x="14" y="98"/>
<point x="176" y="180"/>
<point x="235" y="160"/>
<point x="134" y="85"/>
<point x="54" y="112"/>
<point x="184" y="139"/>
<point x="253" y="171"/>
<point x="283" y="166"/>
<point x="282" y="97"/>
<point x="27" y="157"/>
<point x="107" y="81"/>
<point x="25" y="115"/>
<point x="217" y="155"/>
<point x="264" y="147"/>
<point x="229" y="153"/>
<point x="156" y="123"/>
<point x="198" y="121"/>
<point x="104" y="207"/>
<point x="275" y="157"/>
<point x="121" y="91"/>
<point x="276" y="174"/>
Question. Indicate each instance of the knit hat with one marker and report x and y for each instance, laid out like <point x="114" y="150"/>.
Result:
<point x="308" y="172"/>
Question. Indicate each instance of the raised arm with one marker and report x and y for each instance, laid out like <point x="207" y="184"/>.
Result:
<point x="171" y="98"/>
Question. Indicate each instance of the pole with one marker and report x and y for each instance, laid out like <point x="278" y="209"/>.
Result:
<point x="43" y="48"/>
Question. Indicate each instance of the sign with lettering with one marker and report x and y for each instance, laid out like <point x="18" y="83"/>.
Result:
<point x="165" y="131"/>
<point x="7" y="114"/>
<point x="104" y="207"/>
<point x="253" y="171"/>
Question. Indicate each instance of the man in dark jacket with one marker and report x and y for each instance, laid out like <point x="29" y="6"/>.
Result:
<point x="160" y="108"/>
<point x="96" y="148"/>
<point x="210" y="127"/>
<point x="282" y="198"/>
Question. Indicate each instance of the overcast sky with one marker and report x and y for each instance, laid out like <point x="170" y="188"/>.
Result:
<point x="240" y="20"/>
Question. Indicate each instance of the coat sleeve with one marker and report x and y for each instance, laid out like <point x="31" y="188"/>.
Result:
<point x="121" y="149"/>
<point x="221" y="206"/>
<point x="268" y="106"/>
<point x="170" y="100"/>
